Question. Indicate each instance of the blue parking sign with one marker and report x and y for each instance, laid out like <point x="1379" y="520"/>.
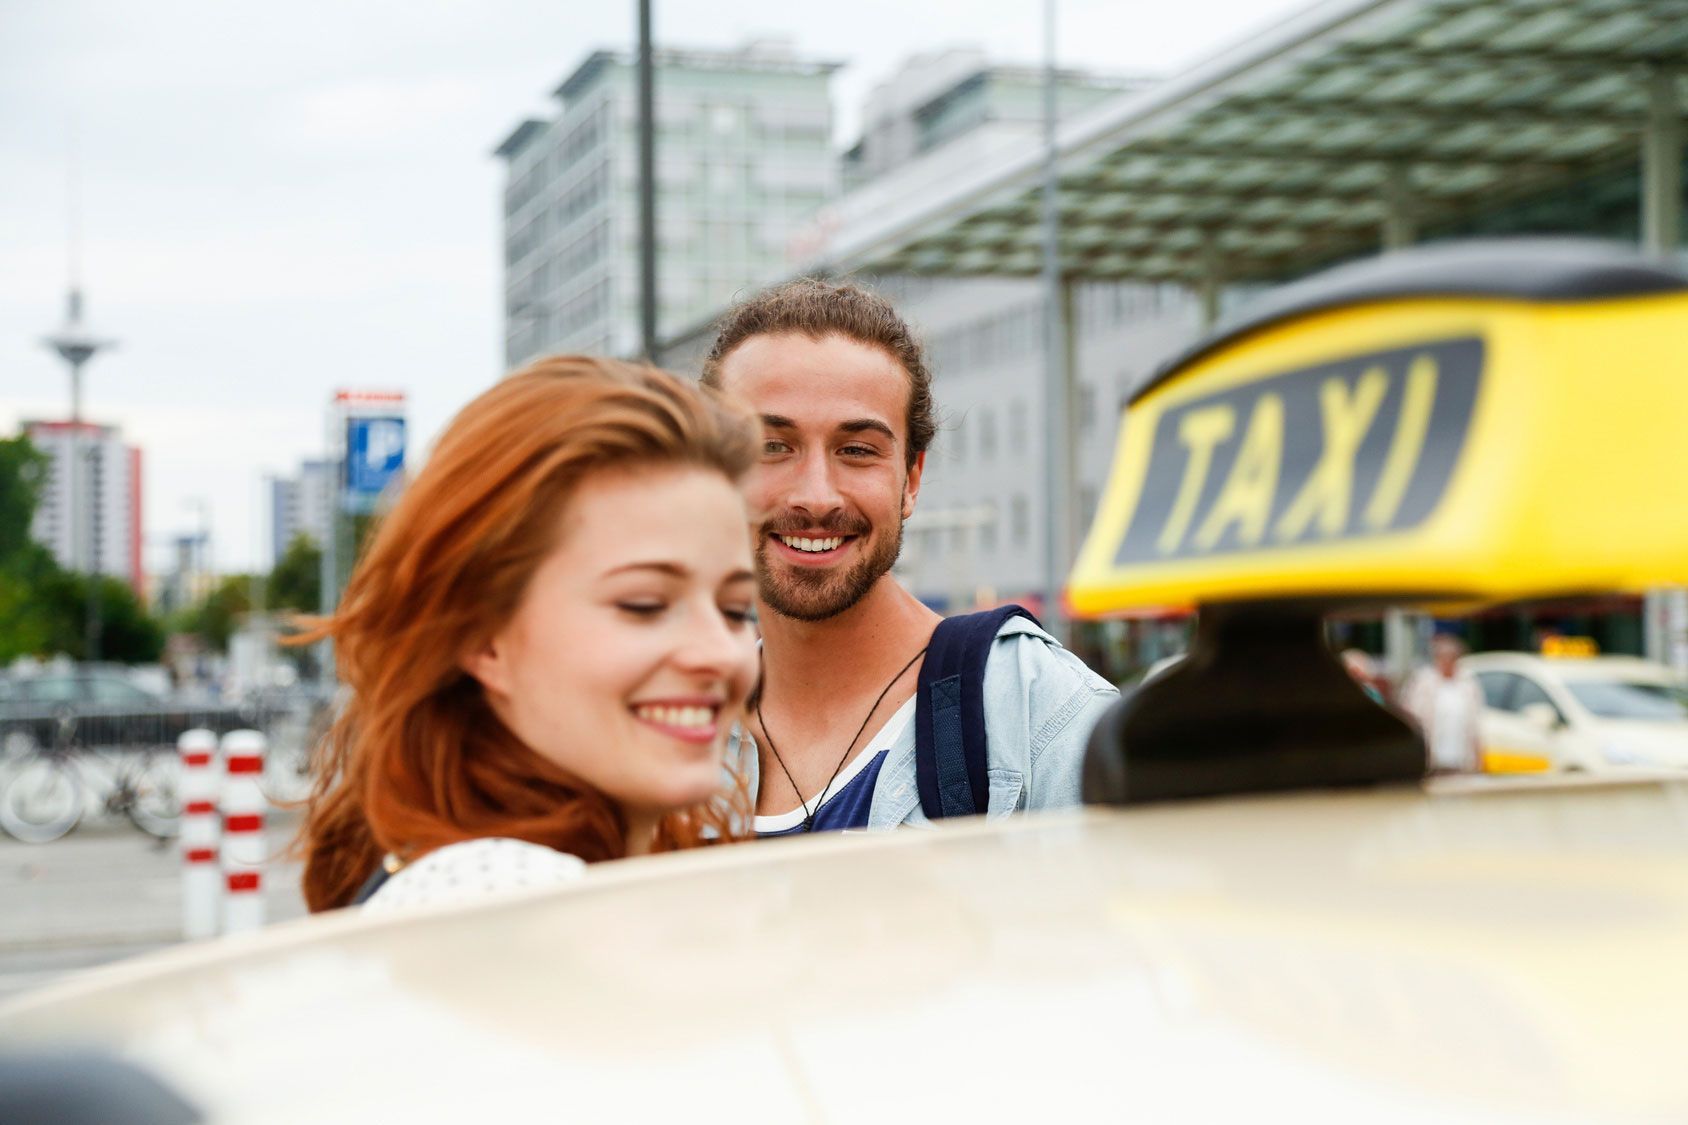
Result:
<point x="374" y="456"/>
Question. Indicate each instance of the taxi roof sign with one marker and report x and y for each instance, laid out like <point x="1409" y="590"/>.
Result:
<point x="1397" y="431"/>
<point x="1569" y="648"/>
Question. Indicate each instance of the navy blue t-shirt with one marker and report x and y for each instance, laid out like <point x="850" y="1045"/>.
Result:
<point x="850" y="797"/>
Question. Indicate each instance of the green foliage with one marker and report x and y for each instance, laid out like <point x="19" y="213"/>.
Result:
<point x="44" y="608"/>
<point x="23" y="468"/>
<point x="216" y="619"/>
<point x="28" y="625"/>
<point x="296" y="581"/>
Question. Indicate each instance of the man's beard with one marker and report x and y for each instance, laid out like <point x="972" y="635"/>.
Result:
<point x="812" y="595"/>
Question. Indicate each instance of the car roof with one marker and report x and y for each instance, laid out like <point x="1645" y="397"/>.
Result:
<point x="1390" y="954"/>
<point x="1571" y="668"/>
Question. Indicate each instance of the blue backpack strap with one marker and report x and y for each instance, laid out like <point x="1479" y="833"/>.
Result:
<point x="377" y="879"/>
<point x="949" y="714"/>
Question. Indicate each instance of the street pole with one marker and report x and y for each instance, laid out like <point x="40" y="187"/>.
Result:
<point x="1058" y="426"/>
<point x="647" y="188"/>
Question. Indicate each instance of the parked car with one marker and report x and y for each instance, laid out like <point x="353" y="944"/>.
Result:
<point x="101" y="707"/>
<point x="1597" y="713"/>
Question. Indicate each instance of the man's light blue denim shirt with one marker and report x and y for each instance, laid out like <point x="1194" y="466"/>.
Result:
<point x="1041" y="703"/>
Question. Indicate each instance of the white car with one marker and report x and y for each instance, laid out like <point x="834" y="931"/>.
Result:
<point x="1597" y="713"/>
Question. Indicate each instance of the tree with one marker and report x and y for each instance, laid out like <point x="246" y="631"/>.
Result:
<point x="22" y="470"/>
<point x="296" y="581"/>
<point x="43" y="607"/>
<point x="215" y="619"/>
<point x="128" y="633"/>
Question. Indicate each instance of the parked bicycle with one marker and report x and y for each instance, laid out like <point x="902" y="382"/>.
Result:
<point x="44" y="790"/>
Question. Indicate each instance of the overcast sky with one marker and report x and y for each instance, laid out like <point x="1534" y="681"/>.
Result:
<point x="282" y="199"/>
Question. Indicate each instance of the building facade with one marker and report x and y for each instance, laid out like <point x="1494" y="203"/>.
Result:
<point x="108" y="499"/>
<point x="301" y="505"/>
<point x="743" y="160"/>
<point x="937" y="97"/>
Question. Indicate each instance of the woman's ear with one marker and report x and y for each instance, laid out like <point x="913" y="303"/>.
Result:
<point x="486" y="663"/>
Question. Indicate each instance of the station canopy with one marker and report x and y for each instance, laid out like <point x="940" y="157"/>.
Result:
<point x="1302" y="145"/>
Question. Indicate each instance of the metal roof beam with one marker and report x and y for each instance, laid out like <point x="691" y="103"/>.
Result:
<point x="1398" y="57"/>
<point x="1234" y="159"/>
<point x="1283" y="108"/>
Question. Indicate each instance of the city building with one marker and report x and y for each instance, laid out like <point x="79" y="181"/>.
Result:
<point x="190" y="579"/>
<point x="301" y="505"/>
<point x="109" y="500"/>
<point x="936" y="97"/>
<point x="743" y="160"/>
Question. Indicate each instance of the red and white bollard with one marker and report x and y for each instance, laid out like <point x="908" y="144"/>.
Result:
<point x="202" y="891"/>
<point x="243" y="830"/>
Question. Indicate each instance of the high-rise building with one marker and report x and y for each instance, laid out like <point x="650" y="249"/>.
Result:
<point x="937" y="97"/>
<point x="301" y="505"/>
<point x="743" y="160"/>
<point x="110" y="488"/>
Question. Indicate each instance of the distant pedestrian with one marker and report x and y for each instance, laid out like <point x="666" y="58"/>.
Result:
<point x="1446" y="702"/>
<point x="546" y="644"/>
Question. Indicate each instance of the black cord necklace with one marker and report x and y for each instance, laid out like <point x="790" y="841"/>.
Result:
<point x="809" y="817"/>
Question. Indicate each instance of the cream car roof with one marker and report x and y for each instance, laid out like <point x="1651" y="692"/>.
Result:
<point x="1577" y="668"/>
<point x="1471" y="952"/>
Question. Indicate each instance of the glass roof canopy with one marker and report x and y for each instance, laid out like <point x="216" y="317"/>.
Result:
<point x="1350" y="126"/>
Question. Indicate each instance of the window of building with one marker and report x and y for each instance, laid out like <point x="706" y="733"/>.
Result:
<point x="1017" y="427"/>
<point x="1019" y="520"/>
<point x="987" y="435"/>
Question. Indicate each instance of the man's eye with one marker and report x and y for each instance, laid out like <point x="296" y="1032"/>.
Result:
<point x="769" y="448"/>
<point x="859" y="451"/>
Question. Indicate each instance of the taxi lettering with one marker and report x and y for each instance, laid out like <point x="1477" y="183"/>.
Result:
<point x="1357" y="447"/>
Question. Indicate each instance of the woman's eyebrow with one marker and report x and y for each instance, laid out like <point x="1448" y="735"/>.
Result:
<point x="663" y="566"/>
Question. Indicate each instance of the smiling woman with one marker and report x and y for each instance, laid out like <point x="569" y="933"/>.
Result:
<point x="546" y="644"/>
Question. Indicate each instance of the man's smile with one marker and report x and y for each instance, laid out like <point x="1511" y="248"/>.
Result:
<point x="811" y="549"/>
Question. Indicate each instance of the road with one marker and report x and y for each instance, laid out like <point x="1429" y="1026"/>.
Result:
<point x="105" y="892"/>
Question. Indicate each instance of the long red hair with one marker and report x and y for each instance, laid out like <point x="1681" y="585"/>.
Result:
<point x="417" y="759"/>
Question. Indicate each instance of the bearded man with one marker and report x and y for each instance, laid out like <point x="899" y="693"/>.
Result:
<point x="845" y="398"/>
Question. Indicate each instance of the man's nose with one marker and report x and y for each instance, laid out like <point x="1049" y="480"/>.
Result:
<point x="814" y="488"/>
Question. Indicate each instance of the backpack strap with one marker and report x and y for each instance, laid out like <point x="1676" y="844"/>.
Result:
<point x="376" y="880"/>
<point x="949" y="714"/>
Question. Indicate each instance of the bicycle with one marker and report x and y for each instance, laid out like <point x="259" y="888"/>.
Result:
<point x="43" y="790"/>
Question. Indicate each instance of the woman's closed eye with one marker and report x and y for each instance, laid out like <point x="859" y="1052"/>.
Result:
<point x="739" y="614"/>
<point x="644" y="608"/>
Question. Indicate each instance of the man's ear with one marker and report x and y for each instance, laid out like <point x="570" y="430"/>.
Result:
<point x="911" y="487"/>
<point x="486" y="663"/>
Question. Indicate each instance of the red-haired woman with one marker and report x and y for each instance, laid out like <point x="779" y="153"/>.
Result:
<point x="546" y="643"/>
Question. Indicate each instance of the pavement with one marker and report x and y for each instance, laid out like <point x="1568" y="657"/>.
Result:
<point x="105" y="892"/>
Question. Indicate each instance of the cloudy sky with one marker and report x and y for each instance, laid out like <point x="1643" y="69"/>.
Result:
<point x="282" y="199"/>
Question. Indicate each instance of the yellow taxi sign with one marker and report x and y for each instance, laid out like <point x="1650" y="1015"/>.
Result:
<point x="1569" y="648"/>
<point x="1396" y="431"/>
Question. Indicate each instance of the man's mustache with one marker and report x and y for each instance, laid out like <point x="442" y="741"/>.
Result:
<point x="835" y="522"/>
